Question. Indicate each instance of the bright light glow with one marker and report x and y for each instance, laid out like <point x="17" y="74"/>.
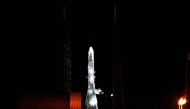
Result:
<point x="182" y="101"/>
<point x="91" y="52"/>
<point x="90" y="91"/>
<point x="93" y="101"/>
<point x="91" y="71"/>
<point x="111" y="95"/>
<point x="91" y="79"/>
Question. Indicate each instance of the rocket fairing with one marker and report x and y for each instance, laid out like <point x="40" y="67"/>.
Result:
<point x="91" y="65"/>
<point x="91" y="100"/>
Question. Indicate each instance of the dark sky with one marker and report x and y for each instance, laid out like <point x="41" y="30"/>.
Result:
<point x="153" y="48"/>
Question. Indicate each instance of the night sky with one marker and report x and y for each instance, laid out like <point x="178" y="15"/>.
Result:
<point x="154" y="46"/>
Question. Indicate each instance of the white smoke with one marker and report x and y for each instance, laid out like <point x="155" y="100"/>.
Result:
<point x="99" y="91"/>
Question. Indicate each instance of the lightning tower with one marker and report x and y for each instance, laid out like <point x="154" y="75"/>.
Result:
<point x="117" y="85"/>
<point x="65" y="75"/>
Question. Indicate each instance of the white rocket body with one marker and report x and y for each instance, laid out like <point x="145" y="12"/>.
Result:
<point x="91" y="100"/>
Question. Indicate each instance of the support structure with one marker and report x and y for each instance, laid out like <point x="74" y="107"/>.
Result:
<point x="67" y="65"/>
<point x="117" y="85"/>
<point x="187" y="94"/>
<point x="65" y="76"/>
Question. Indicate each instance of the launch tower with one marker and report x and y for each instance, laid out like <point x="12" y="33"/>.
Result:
<point x="117" y="85"/>
<point x="188" y="82"/>
<point x="65" y="75"/>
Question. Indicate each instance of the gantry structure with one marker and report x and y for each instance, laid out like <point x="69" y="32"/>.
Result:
<point x="65" y="75"/>
<point x="117" y="82"/>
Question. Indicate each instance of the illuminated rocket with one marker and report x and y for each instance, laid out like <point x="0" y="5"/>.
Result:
<point x="91" y="100"/>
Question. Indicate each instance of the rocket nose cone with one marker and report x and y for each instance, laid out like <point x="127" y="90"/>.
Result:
<point x="91" y="53"/>
<point x="91" y="50"/>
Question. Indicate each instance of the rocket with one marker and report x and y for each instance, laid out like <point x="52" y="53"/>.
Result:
<point x="91" y="100"/>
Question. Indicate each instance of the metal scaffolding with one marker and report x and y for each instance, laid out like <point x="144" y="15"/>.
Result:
<point x="65" y="75"/>
<point x="117" y="85"/>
